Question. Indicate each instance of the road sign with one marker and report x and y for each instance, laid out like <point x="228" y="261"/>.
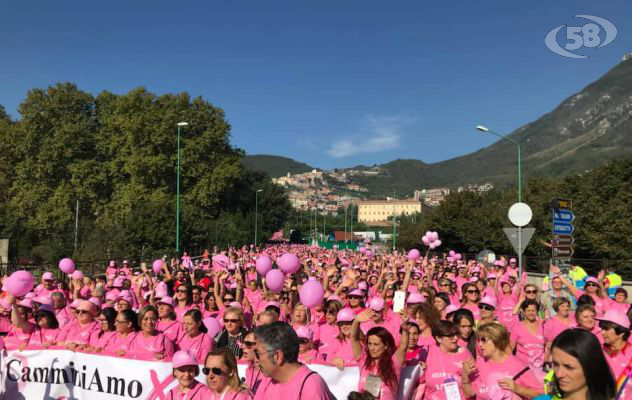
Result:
<point x="561" y="203"/>
<point x="562" y="240"/>
<point x="560" y="215"/>
<point x="562" y="228"/>
<point x="512" y="234"/>
<point x="520" y="214"/>
<point x="563" y="252"/>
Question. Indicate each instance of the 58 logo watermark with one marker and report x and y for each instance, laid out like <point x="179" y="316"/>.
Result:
<point x="582" y="36"/>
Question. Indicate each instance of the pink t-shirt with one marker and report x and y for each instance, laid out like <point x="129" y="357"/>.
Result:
<point x="327" y="335"/>
<point x="199" y="345"/>
<point x="600" y="304"/>
<point x="313" y="388"/>
<point x="342" y="350"/>
<point x="441" y="366"/>
<point x="171" y="329"/>
<point x="64" y="316"/>
<point x="619" y="361"/>
<point x="75" y="333"/>
<point x="17" y="336"/>
<point x="554" y="326"/>
<point x="386" y="392"/>
<point x="506" y="304"/>
<point x="146" y="347"/>
<point x="474" y="309"/>
<point x="529" y="347"/>
<point x="255" y="379"/>
<point x="199" y="391"/>
<point x="101" y="339"/>
<point x="488" y="374"/>
<point x="118" y="342"/>
<point x="180" y="311"/>
<point x="41" y="336"/>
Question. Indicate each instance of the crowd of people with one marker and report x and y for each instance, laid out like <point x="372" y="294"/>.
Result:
<point x="474" y="330"/>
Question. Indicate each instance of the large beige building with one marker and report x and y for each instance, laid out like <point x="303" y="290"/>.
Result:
<point x="382" y="210"/>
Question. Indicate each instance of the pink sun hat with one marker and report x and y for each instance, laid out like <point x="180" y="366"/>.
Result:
<point x="376" y="304"/>
<point x="304" y="332"/>
<point x="183" y="358"/>
<point x="168" y="300"/>
<point x="490" y="301"/>
<point x="345" y="315"/>
<point x="616" y="317"/>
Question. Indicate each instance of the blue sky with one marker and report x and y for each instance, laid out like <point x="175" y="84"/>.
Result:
<point x="330" y="83"/>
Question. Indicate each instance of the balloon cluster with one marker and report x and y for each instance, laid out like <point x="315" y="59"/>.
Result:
<point x="431" y="239"/>
<point x="454" y="256"/>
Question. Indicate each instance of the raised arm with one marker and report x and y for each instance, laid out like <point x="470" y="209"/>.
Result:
<point x="356" y="344"/>
<point x="403" y="345"/>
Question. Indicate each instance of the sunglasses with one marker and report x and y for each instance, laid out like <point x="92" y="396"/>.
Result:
<point x="303" y="341"/>
<point x="181" y="291"/>
<point x="231" y="321"/>
<point x="82" y="312"/>
<point x="445" y="284"/>
<point x="332" y="312"/>
<point x="531" y="291"/>
<point x="116" y="321"/>
<point x="355" y="297"/>
<point x="591" y="284"/>
<point x="453" y="335"/>
<point x="471" y="291"/>
<point x="482" y="340"/>
<point x="485" y="307"/>
<point x="216" y="371"/>
<point x="249" y="344"/>
<point x="228" y="300"/>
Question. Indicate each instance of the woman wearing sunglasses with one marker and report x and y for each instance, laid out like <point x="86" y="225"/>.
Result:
<point x="254" y="378"/>
<point x="47" y="328"/>
<point x="21" y="328"/>
<point x="194" y="338"/>
<point x="527" y="338"/>
<point x="222" y="377"/>
<point x="185" y="369"/>
<point x="232" y="336"/>
<point x="327" y="327"/>
<point x="183" y="301"/>
<point x="167" y="322"/>
<point x="79" y="333"/>
<point x="307" y="351"/>
<point x="339" y="352"/>
<point x="499" y="375"/>
<point x="487" y="307"/>
<point x="444" y="362"/>
<point x="470" y="299"/>
<point x="593" y="288"/>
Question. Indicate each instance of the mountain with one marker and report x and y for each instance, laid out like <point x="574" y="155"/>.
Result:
<point x="275" y="166"/>
<point x="584" y="131"/>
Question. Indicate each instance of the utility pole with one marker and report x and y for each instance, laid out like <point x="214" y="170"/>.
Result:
<point x="76" y="225"/>
<point x="351" y="223"/>
<point x="394" y="223"/>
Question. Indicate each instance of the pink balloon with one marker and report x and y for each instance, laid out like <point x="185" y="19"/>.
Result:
<point x="311" y="293"/>
<point x="212" y="325"/>
<point x="458" y="256"/>
<point x="452" y="253"/>
<point x="437" y="243"/>
<point x="434" y="236"/>
<point x="264" y="264"/>
<point x="432" y="246"/>
<point x="425" y="240"/>
<point x="220" y="261"/>
<point x="156" y="266"/>
<point x="414" y="254"/>
<point x="369" y="253"/>
<point x="67" y="266"/>
<point x="289" y="263"/>
<point x="19" y="283"/>
<point x="362" y="250"/>
<point x="428" y="234"/>
<point x="275" y="280"/>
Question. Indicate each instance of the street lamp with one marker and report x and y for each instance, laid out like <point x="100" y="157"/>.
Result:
<point x="256" y="212"/>
<point x="482" y="128"/>
<point x="179" y="124"/>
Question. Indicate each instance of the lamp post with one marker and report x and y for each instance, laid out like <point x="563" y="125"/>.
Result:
<point x="256" y="212"/>
<point x="482" y="128"/>
<point x="180" y="125"/>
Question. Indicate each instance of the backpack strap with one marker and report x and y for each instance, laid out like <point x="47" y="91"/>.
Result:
<point x="303" y="384"/>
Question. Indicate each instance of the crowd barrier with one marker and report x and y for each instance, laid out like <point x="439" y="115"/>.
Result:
<point x="65" y="375"/>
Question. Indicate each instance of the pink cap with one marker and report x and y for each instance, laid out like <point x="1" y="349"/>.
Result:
<point x="333" y="297"/>
<point x="96" y="301"/>
<point x="491" y="276"/>
<point x="499" y="263"/>
<point x="125" y="262"/>
<point x="168" y="300"/>
<point x="345" y="315"/>
<point x="304" y="333"/>
<point x="273" y="304"/>
<point x="616" y="317"/>
<point x="118" y="282"/>
<point x="592" y="279"/>
<point x="125" y="295"/>
<point x="183" y="358"/>
<point x="376" y="304"/>
<point x="29" y="295"/>
<point x="416" y="298"/>
<point x="112" y="263"/>
<point x="48" y="276"/>
<point x="77" y="275"/>
<point x="235" y="304"/>
<point x="85" y="292"/>
<point x="356" y="292"/>
<point x="43" y="300"/>
<point x="504" y="281"/>
<point x="451" y="308"/>
<point x="28" y="303"/>
<point x="46" y="307"/>
<point x="75" y="303"/>
<point x="111" y="296"/>
<point x="489" y="300"/>
<point x="87" y="306"/>
<point x="473" y="279"/>
<point x="362" y="285"/>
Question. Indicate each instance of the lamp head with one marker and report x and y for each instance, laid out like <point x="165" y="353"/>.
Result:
<point x="482" y="128"/>
<point x="182" y="124"/>
<point x="260" y="190"/>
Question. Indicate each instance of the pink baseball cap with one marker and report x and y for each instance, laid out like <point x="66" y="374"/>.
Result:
<point x="125" y="262"/>
<point x="183" y="358"/>
<point x="77" y="275"/>
<point x="304" y="332"/>
<point x="345" y="315"/>
<point x="48" y="276"/>
<point x="111" y="296"/>
<point x="416" y="298"/>
<point x="125" y="295"/>
<point x="489" y="300"/>
<point x="333" y="297"/>
<point x="356" y="292"/>
<point x="112" y="263"/>
<point x="592" y="279"/>
<point x="96" y="301"/>
<point x="616" y="317"/>
<point x="118" y="282"/>
<point x="27" y="303"/>
<point x="75" y="303"/>
<point x="85" y="292"/>
<point x="451" y="308"/>
<point x="512" y="261"/>
<point x="376" y="304"/>
<point x="168" y="300"/>
<point x="491" y="276"/>
<point x="273" y="304"/>
<point x="362" y="285"/>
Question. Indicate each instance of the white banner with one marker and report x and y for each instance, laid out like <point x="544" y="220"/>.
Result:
<point x="65" y="375"/>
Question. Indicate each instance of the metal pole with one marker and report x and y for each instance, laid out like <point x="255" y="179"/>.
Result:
<point x="345" y="226"/>
<point x="256" y="214"/>
<point x="520" y="252"/>
<point x="351" y="223"/>
<point x="324" y="223"/>
<point x="178" y="195"/>
<point x="394" y="223"/>
<point x="76" y="224"/>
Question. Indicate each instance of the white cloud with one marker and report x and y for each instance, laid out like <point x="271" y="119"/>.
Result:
<point x="377" y="133"/>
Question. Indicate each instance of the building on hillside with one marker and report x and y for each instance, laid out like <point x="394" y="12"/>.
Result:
<point x="431" y="197"/>
<point x="382" y="210"/>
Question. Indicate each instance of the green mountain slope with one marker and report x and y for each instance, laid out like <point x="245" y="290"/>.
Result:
<point x="275" y="166"/>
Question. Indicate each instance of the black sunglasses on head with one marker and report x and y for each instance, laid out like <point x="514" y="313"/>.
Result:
<point x="216" y="371"/>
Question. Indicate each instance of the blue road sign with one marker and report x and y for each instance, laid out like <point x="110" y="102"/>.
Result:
<point x="562" y="228"/>
<point x="565" y="216"/>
